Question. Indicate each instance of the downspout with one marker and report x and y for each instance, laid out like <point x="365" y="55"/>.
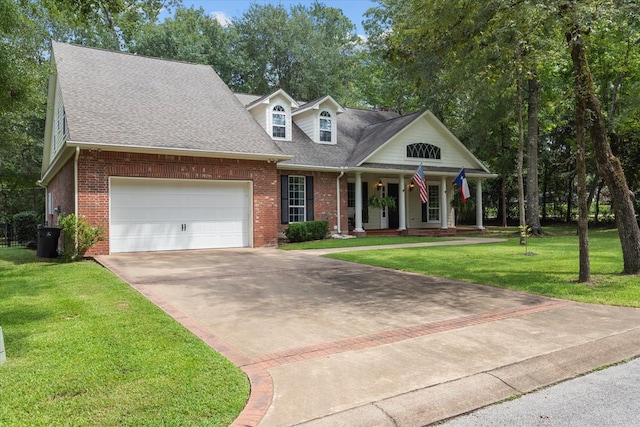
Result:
<point x="338" y="199"/>
<point x="75" y="189"/>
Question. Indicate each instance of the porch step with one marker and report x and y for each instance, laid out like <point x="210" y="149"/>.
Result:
<point x="431" y="232"/>
<point x="426" y="232"/>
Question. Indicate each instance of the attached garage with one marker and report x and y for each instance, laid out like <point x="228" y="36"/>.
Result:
<point x="167" y="214"/>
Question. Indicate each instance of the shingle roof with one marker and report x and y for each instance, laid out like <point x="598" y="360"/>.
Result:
<point x="377" y="134"/>
<point x="121" y="99"/>
<point x="352" y="127"/>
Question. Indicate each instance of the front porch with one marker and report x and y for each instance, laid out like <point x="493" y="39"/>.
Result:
<point x="410" y="216"/>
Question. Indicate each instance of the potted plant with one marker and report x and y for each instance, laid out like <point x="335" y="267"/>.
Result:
<point x="381" y="202"/>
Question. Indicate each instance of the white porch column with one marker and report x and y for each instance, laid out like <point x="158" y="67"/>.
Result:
<point x="479" y="205"/>
<point x="358" y="208"/>
<point x="444" y="208"/>
<point x="402" y="220"/>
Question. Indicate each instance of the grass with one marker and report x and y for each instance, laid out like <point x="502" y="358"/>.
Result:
<point x="361" y="241"/>
<point x="83" y="348"/>
<point x="552" y="271"/>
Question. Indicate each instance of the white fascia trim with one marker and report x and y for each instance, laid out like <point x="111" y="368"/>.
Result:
<point x="282" y="166"/>
<point x="179" y="151"/>
<point x="427" y="172"/>
<point x="316" y="106"/>
<point x="267" y="100"/>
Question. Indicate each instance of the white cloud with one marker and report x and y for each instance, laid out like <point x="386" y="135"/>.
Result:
<point x="221" y="17"/>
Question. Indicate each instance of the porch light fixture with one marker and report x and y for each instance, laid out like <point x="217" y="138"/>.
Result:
<point x="411" y="185"/>
<point x="379" y="184"/>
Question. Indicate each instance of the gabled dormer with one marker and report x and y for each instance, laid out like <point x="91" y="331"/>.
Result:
<point x="274" y="113"/>
<point x="319" y="119"/>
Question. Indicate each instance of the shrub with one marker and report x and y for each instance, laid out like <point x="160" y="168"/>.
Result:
<point x="25" y="226"/>
<point x="88" y="235"/>
<point x="305" y="231"/>
<point x="318" y="229"/>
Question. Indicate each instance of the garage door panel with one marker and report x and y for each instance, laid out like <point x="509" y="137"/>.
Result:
<point x="155" y="215"/>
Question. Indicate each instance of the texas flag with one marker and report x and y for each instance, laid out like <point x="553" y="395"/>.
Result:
<point x="461" y="182"/>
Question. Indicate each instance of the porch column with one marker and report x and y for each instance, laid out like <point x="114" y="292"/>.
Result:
<point x="444" y="209"/>
<point x="402" y="220"/>
<point x="358" y="208"/>
<point x="479" y="205"/>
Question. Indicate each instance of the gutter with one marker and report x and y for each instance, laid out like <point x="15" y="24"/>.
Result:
<point x="75" y="186"/>
<point x="46" y="200"/>
<point x="172" y="151"/>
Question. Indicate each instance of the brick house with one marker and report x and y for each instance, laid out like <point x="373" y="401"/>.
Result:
<point x="164" y="156"/>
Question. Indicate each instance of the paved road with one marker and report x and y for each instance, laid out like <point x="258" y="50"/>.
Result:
<point x="605" y="398"/>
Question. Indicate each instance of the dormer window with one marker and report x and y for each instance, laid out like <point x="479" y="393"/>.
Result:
<point x="279" y="122"/>
<point x="325" y="127"/>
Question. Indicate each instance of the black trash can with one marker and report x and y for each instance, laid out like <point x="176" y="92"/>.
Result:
<point x="48" y="242"/>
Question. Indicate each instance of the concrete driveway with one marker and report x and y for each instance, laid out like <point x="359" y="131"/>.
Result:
<point x="328" y="343"/>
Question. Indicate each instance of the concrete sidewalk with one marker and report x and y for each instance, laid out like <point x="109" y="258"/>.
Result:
<point x="329" y="343"/>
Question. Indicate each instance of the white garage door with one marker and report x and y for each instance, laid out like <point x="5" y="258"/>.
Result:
<point x="160" y="215"/>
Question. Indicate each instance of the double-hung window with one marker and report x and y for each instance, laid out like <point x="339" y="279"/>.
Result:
<point x="325" y="127"/>
<point x="296" y="198"/>
<point x="279" y="122"/>
<point x="297" y="206"/>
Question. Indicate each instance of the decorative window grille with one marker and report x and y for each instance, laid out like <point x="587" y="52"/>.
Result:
<point x="423" y="150"/>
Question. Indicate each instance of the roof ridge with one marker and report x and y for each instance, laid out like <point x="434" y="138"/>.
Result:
<point x="131" y="54"/>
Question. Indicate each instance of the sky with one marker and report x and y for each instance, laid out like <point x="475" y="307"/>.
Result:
<point x="228" y="9"/>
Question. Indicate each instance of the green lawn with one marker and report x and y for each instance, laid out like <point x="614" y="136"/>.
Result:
<point x="552" y="271"/>
<point x="361" y="241"/>
<point x="83" y="348"/>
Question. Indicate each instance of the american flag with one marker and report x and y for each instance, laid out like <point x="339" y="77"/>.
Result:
<point x="418" y="177"/>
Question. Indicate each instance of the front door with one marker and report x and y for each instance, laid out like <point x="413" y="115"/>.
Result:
<point x="394" y="217"/>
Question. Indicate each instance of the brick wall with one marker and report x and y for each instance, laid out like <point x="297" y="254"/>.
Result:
<point x="95" y="168"/>
<point x="324" y="198"/>
<point x="61" y="188"/>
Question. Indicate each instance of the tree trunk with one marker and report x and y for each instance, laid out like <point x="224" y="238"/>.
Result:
<point x="521" y="208"/>
<point x="609" y="166"/>
<point x="545" y="185"/>
<point x="583" y="208"/>
<point x="503" y="201"/>
<point x="533" y="208"/>
<point x="567" y="217"/>
<point x="597" y="208"/>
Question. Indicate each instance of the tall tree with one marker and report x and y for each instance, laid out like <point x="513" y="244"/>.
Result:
<point x="533" y="193"/>
<point x="459" y="51"/>
<point x="23" y="71"/>
<point x="308" y="51"/>
<point x="110" y="24"/>
<point x="609" y="165"/>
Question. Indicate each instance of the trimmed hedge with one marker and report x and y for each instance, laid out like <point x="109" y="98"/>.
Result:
<point x="305" y="231"/>
<point x="25" y="226"/>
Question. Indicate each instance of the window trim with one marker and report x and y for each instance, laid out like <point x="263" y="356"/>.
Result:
<point x="325" y="116"/>
<point x="300" y="180"/>
<point x="285" y="217"/>
<point x="279" y="110"/>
